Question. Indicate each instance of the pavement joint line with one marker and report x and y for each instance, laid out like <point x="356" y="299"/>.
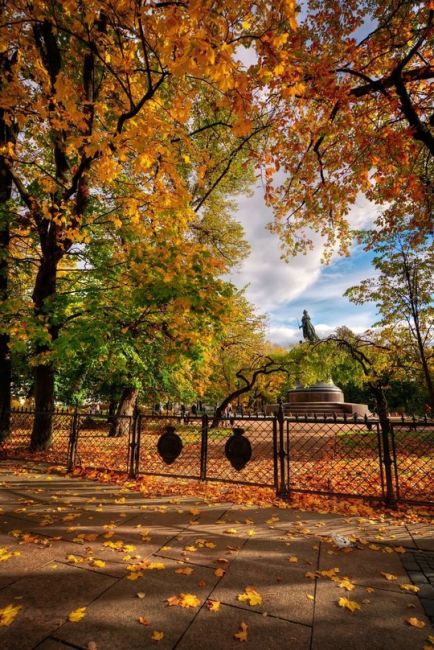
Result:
<point x="65" y="643"/>
<point x="268" y="614"/>
<point x="318" y="556"/>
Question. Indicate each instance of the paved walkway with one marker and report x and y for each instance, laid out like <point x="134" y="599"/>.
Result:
<point x="76" y="549"/>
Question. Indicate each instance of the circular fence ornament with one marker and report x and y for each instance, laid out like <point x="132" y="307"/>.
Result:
<point x="169" y="445"/>
<point x="238" y="449"/>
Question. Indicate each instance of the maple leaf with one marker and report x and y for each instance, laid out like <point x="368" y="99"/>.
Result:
<point x="135" y="575"/>
<point x="415" y="622"/>
<point x="8" y="614"/>
<point x="213" y="605"/>
<point x="185" y="571"/>
<point x="188" y="600"/>
<point x="408" y="587"/>
<point x="157" y="636"/>
<point x="389" y="576"/>
<point x="351" y="605"/>
<point x="172" y="601"/>
<point x="98" y="563"/>
<point x="142" y="620"/>
<point x="344" y="583"/>
<point x="77" y="615"/>
<point x="250" y="596"/>
<point x="157" y="566"/>
<point x="241" y="635"/>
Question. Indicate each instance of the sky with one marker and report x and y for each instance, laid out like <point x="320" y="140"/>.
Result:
<point x="281" y="290"/>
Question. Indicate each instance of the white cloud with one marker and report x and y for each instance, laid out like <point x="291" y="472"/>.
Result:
<point x="277" y="287"/>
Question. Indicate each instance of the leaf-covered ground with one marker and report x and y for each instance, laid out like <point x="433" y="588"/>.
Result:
<point x="98" y="562"/>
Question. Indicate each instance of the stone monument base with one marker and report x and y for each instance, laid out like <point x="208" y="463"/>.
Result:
<point x="321" y="399"/>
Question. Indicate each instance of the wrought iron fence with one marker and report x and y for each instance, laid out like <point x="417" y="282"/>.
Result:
<point x="327" y="455"/>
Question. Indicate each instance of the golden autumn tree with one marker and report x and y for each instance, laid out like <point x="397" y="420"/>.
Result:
<point x="361" y="123"/>
<point x="104" y="97"/>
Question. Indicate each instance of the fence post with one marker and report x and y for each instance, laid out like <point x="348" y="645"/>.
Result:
<point x="204" y="447"/>
<point x="282" y="490"/>
<point x="133" y="444"/>
<point x="73" y="438"/>
<point x="386" y="432"/>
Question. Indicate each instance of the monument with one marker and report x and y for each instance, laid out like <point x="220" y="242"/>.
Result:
<point x="324" y="397"/>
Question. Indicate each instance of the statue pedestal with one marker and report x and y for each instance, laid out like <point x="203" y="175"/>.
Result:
<point x="323" y="398"/>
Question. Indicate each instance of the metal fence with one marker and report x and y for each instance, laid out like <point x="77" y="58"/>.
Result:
<point x="327" y="455"/>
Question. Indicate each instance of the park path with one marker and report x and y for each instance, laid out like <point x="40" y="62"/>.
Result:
<point x="67" y="543"/>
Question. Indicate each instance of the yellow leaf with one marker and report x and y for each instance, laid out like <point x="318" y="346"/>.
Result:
<point x="310" y="597"/>
<point x="8" y="614"/>
<point x="190" y="549"/>
<point x="370" y="590"/>
<point x="158" y="566"/>
<point x="345" y="583"/>
<point x="98" y="563"/>
<point x="231" y="531"/>
<point x="186" y="572"/>
<point x="157" y="636"/>
<point x="188" y="600"/>
<point x="412" y="588"/>
<point x="77" y="615"/>
<point x="293" y="559"/>
<point x="140" y="594"/>
<point x="415" y="622"/>
<point x="351" y="605"/>
<point x="135" y="575"/>
<point x="219" y="572"/>
<point x="213" y="605"/>
<point x="388" y="576"/>
<point x="241" y="635"/>
<point x="250" y="596"/>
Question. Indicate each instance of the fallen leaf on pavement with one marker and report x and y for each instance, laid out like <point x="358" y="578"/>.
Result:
<point x="213" y="605"/>
<point x="351" y="605"/>
<point x="408" y="587"/>
<point x="250" y="596"/>
<point x="415" y="622"/>
<point x="8" y="614"/>
<point x="241" y="635"/>
<point x="77" y="615"/>
<point x="389" y="576"/>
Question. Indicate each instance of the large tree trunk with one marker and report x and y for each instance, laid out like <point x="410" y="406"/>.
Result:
<point x="44" y="293"/>
<point x="128" y="402"/>
<point x="8" y="133"/>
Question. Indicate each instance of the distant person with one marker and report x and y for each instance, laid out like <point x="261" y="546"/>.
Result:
<point x="194" y="409"/>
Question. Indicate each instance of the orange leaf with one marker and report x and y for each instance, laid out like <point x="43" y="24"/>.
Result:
<point x="241" y="635"/>
<point x="415" y="622"/>
<point x="142" y="620"/>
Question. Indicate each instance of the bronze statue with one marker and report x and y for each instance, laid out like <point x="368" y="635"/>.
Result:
<point x="309" y="333"/>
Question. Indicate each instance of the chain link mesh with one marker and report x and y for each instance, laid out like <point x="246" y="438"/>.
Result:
<point x="413" y="448"/>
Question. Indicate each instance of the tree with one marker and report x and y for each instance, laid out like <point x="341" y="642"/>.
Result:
<point x="106" y="99"/>
<point x="361" y="121"/>
<point x="8" y="134"/>
<point x="402" y="292"/>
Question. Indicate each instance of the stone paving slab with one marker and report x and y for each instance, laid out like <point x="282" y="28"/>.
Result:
<point x="378" y="625"/>
<point x="365" y="567"/>
<point x="112" y="620"/>
<point x="47" y="596"/>
<point x="267" y="633"/>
